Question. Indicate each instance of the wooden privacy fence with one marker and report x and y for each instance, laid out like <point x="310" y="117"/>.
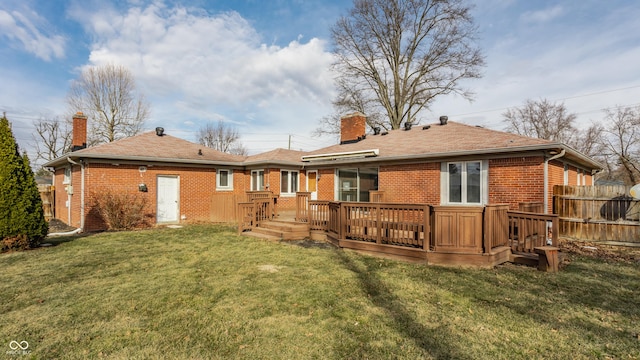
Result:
<point x="48" y="200"/>
<point x="598" y="213"/>
<point x="224" y="207"/>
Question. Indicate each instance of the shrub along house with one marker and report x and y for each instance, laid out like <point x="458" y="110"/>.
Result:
<point x="442" y="165"/>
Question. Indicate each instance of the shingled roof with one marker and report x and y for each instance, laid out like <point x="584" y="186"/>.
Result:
<point x="279" y="156"/>
<point x="421" y="142"/>
<point x="436" y="139"/>
<point x="151" y="147"/>
<point x="441" y="141"/>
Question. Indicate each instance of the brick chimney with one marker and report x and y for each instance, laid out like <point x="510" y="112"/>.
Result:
<point x="79" y="139"/>
<point x="352" y="127"/>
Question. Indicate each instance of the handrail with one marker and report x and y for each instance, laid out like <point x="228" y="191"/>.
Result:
<point x="261" y="207"/>
<point x="530" y="230"/>
<point x="302" y="206"/>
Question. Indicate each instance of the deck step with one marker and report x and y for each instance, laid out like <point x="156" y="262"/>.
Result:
<point x="282" y="230"/>
<point x="260" y="235"/>
<point x="524" y="259"/>
<point x="285" y="225"/>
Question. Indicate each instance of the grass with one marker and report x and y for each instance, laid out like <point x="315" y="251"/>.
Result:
<point x="202" y="292"/>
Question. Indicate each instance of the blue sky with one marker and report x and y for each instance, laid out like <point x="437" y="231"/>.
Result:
<point x="263" y="66"/>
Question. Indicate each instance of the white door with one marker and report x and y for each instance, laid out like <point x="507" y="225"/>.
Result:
<point x="168" y="190"/>
<point x="312" y="184"/>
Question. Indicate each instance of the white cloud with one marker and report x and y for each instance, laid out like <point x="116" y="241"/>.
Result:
<point x="589" y="63"/>
<point x="212" y="66"/>
<point x="542" y="16"/>
<point x="29" y="30"/>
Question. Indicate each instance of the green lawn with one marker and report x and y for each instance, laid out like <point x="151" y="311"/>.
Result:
<point x="202" y="292"/>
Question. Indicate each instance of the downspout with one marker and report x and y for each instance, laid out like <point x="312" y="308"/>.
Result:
<point x="81" y="164"/>
<point x="546" y="179"/>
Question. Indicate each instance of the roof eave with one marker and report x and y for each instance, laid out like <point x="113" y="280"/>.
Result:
<point x="65" y="158"/>
<point x="464" y="153"/>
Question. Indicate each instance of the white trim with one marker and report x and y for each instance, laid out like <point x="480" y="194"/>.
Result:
<point x="66" y="177"/>
<point x="177" y="199"/>
<point x="229" y="186"/>
<point x="289" y="192"/>
<point x="341" y="155"/>
<point x="259" y="187"/>
<point x="314" y="195"/>
<point x="484" y="183"/>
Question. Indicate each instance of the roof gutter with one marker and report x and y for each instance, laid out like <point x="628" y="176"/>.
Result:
<point x="60" y="160"/>
<point x="546" y="178"/>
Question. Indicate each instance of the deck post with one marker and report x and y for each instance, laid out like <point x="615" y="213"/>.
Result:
<point x="378" y="224"/>
<point x="426" y="224"/>
<point x="547" y="258"/>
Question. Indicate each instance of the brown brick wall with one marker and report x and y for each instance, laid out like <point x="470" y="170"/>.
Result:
<point x="516" y="180"/>
<point x="197" y="186"/>
<point x="414" y="183"/>
<point x="556" y="177"/>
<point x="326" y="184"/>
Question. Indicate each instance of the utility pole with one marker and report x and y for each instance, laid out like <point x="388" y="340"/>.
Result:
<point x="289" y="141"/>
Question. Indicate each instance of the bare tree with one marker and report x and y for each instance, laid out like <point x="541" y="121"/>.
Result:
<point x="395" y="57"/>
<point x="107" y="95"/>
<point x="541" y="119"/>
<point x="348" y="100"/>
<point x="52" y="138"/>
<point x="621" y="141"/>
<point x="222" y="138"/>
<point x="546" y="120"/>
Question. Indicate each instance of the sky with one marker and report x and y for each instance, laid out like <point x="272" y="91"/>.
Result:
<point x="263" y="66"/>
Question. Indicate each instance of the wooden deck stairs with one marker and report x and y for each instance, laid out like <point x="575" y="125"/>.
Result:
<point x="281" y="229"/>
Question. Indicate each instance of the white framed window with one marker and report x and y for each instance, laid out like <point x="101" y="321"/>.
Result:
<point x="67" y="175"/>
<point x="224" y="179"/>
<point x="289" y="183"/>
<point x="464" y="183"/>
<point x="257" y="180"/>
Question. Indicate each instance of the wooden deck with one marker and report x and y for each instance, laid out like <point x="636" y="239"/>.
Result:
<point x="483" y="236"/>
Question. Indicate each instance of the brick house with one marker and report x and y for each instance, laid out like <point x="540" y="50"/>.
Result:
<point x="438" y="164"/>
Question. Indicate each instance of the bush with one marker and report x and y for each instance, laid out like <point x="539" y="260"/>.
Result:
<point x="121" y="210"/>
<point x="19" y="242"/>
<point x="22" y="222"/>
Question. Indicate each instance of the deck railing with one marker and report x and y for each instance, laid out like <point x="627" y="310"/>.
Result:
<point x="334" y="225"/>
<point x="455" y="229"/>
<point x="260" y="208"/>
<point x="529" y="230"/>
<point x="376" y="196"/>
<point x="319" y="215"/>
<point x="254" y="195"/>
<point x="380" y="223"/>
<point x="302" y="206"/>
<point x="496" y="226"/>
